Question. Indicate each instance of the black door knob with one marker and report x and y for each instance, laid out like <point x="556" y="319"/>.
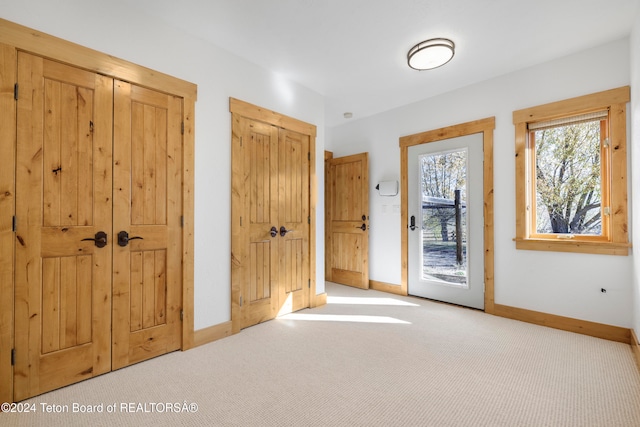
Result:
<point x="123" y="238"/>
<point x="100" y="239"/>
<point x="284" y="231"/>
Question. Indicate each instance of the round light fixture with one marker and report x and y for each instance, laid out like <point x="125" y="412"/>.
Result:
<point x="430" y="54"/>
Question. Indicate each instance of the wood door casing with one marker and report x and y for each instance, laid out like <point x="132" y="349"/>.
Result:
<point x="8" y="70"/>
<point x="147" y="284"/>
<point x="348" y="208"/>
<point x="486" y="127"/>
<point x="64" y="187"/>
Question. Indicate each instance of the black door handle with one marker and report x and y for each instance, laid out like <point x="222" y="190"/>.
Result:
<point x="284" y="231"/>
<point x="100" y="239"/>
<point x="363" y="227"/>
<point x="273" y="231"/>
<point x="413" y="223"/>
<point x="123" y="238"/>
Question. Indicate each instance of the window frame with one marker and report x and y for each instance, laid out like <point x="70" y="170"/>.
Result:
<point x="615" y="238"/>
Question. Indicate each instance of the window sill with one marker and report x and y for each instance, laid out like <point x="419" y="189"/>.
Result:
<point x="573" y="246"/>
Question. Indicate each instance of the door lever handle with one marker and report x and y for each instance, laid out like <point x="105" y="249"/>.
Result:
<point x="413" y="223"/>
<point x="123" y="238"/>
<point x="100" y="239"/>
<point x="284" y="231"/>
<point x="273" y="231"/>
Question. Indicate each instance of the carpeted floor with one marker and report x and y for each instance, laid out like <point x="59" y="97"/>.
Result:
<point x="367" y="359"/>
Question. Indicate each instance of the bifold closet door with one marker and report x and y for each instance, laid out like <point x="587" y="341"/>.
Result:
<point x="63" y="226"/>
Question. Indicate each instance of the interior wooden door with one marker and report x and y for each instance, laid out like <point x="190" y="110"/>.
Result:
<point x="147" y="210"/>
<point x="63" y="202"/>
<point x="270" y="230"/>
<point x="293" y="214"/>
<point x="259" y="299"/>
<point x="348" y="207"/>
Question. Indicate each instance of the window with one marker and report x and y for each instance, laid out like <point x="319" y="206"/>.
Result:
<point x="571" y="167"/>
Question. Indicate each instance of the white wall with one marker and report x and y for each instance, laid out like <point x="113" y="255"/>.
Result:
<point x="563" y="284"/>
<point x="117" y="28"/>
<point x="635" y="175"/>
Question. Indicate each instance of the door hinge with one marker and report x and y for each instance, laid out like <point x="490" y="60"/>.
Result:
<point x="13" y="357"/>
<point x="240" y="221"/>
<point x="182" y="128"/>
<point x="240" y="300"/>
<point x="240" y="141"/>
<point x="14" y="224"/>
<point x="308" y="220"/>
<point x="309" y="156"/>
<point x="15" y="91"/>
<point x="181" y="221"/>
<point x="181" y="315"/>
<point x="309" y="283"/>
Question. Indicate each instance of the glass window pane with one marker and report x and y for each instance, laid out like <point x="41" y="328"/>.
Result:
<point x="568" y="179"/>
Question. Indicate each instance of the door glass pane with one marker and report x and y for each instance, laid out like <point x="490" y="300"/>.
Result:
<point x="443" y="183"/>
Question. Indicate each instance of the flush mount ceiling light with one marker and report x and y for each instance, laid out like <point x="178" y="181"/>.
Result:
<point x="430" y="54"/>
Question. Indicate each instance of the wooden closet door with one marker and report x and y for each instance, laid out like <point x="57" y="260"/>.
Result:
<point x="293" y="214"/>
<point x="270" y="229"/>
<point x="259" y="163"/>
<point x="147" y="271"/>
<point x="63" y="198"/>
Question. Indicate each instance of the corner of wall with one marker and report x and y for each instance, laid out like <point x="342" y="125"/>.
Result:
<point x="634" y="53"/>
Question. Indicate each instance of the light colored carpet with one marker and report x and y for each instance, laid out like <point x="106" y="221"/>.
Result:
<point x="370" y="359"/>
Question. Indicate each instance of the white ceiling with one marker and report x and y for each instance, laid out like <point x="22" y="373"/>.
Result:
<point x="354" y="51"/>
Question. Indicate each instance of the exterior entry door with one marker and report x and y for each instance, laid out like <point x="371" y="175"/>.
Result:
<point x="445" y="194"/>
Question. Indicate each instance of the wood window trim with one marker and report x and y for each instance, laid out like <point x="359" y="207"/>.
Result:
<point x="486" y="127"/>
<point x="615" y="101"/>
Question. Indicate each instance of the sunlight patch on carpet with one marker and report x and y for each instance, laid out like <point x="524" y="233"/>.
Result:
<point x="368" y="301"/>
<point x="343" y="318"/>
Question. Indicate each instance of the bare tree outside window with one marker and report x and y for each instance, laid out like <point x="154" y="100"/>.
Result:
<point x="568" y="179"/>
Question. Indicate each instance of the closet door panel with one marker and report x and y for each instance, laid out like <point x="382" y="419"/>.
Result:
<point x="63" y="202"/>
<point x="147" y="284"/>
<point x="294" y="217"/>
